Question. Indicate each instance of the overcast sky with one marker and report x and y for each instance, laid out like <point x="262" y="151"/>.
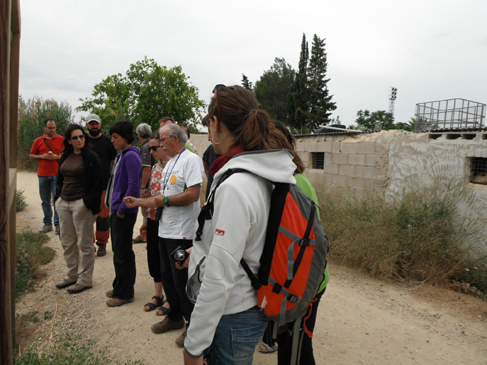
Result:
<point x="429" y="49"/>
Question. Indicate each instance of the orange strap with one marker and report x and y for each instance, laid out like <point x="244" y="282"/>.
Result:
<point x="309" y="333"/>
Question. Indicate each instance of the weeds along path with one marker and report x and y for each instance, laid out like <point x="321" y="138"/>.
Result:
<point x="360" y="320"/>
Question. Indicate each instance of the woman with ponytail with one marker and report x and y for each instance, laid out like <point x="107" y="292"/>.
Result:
<point x="226" y="318"/>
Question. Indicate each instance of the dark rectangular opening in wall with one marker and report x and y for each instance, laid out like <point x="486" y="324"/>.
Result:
<point x="434" y="136"/>
<point x="469" y="136"/>
<point x="484" y="136"/>
<point x="318" y="160"/>
<point x="478" y="170"/>
<point x="453" y="136"/>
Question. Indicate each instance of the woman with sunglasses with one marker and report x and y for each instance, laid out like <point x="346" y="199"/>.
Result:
<point x="226" y="316"/>
<point x="78" y="194"/>
<point x="152" y="227"/>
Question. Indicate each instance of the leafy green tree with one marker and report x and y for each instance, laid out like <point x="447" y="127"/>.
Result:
<point x="32" y="114"/>
<point x="297" y="102"/>
<point x="320" y="104"/>
<point x="146" y="93"/>
<point x="379" y="120"/>
<point x="246" y="83"/>
<point x="408" y="126"/>
<point x="272" y="88"/>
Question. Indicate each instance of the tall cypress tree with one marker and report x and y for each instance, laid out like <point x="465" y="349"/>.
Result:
<point x="320" y="104"/>
<point x="246" y="83"/>
<point x="297" y="102"/>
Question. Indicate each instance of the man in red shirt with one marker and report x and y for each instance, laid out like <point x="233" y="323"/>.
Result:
<point x="47" y="150"/>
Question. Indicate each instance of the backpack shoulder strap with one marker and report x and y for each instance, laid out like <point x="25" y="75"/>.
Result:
<point x="207" y="210"/>
<point x="48" y="146"/>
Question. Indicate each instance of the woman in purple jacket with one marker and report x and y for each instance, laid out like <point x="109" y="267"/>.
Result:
<point x="125" y="181"/>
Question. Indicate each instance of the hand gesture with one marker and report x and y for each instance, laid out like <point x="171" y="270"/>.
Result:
<point x="129" y="201"/>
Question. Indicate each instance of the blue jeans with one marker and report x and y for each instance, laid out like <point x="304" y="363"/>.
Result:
<point x="236" y="337"/>
<point x="47" y="186"/>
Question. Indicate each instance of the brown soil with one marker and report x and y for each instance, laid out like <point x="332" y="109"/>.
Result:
<point x="361" y="320"/>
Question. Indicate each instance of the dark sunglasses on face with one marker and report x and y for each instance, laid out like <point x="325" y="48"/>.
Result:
<point x="81" y="137"/>
<point x="216" y="89"/>
<point x="154" y="148"/>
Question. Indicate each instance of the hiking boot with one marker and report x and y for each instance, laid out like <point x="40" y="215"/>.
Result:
<point x="77" y="288"/>
<point x="65" y="283"/>
<point x="109" y="294"/>
<point x="181" y="338"/>
<point x="46" y="228"/>
<point x="116" y="302"/>
<point x="167" y="325"/>
<point x="138" y="239"/>
<point x="58" y="231"/>
<point x="102" y="250"/>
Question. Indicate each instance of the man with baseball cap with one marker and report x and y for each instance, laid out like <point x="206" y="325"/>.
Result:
<point x="103" y="147"/>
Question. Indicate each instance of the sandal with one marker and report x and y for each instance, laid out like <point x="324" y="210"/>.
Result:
<point x="163" y="311"/>
<point x="152" y="306"/>
<point x="266" y="349"/>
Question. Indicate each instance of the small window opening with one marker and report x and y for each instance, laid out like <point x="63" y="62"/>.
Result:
<point x="318" y="160"/>
<point x="484" y="136"/>
<point x="434" y="136"/>
<point x="453" y="136"/>
<point x="478" y="170"/>
<point x="469" y="136"/>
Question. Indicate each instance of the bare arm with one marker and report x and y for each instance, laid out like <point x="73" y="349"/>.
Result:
<point x="39" y="157"/>
<point x="189" y="196"/>
<point x="205" y="165"/>
<point x="145" y="175"/>
<point x="131" y="202"/>
<point x="46" y="156"/>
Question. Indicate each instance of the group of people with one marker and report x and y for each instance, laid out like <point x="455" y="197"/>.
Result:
<point x="223" y="324"/>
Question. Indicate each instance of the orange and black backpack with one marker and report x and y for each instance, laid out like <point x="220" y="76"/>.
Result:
<point x="294" y="255"/>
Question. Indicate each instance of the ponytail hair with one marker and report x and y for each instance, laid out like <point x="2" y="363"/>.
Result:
<point x="250" y="126"/>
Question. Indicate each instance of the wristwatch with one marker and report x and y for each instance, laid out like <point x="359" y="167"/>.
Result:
<point x="166" y="201"/>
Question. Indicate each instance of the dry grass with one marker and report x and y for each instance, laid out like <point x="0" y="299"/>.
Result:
<point x="416" y="237"/>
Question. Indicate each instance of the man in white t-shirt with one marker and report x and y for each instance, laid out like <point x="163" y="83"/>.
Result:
<point x="180" y="193"/>
<point x="180" y="199"/>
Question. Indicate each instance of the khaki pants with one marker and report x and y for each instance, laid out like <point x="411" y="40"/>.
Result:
<point x="76" y="225"/>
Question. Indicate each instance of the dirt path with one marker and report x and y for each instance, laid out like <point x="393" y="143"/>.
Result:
<point x="360" y="320"/>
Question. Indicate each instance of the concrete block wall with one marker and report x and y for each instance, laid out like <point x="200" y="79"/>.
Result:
<point x="350" y="161"/>
<point x="392" y="161"/>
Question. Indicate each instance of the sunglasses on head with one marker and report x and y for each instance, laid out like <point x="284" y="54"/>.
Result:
<point x="215" y="91"/>
<point x="81" y="136"/>
<point x="154" y="148"/>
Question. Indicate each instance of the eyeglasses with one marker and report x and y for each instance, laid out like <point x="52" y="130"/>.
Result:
<point x="216" y="89"/>
<point x="81" y="137"/>
<point x="154" y="148"/>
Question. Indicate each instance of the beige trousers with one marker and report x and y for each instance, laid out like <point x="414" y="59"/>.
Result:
<point x="76" y="225"/>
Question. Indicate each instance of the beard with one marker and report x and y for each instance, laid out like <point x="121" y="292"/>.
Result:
<point x="94" y="132"/>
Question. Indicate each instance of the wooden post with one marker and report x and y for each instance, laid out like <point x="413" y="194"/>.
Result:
<point x="9" y="94"/>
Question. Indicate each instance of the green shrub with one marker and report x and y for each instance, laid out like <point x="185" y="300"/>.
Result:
<point x="67" y="350"/>
<point x="417" y="236"/>
<point x="31" y="123"/>
<point x="31" y="253"/>
<point x="20" y="203"/>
